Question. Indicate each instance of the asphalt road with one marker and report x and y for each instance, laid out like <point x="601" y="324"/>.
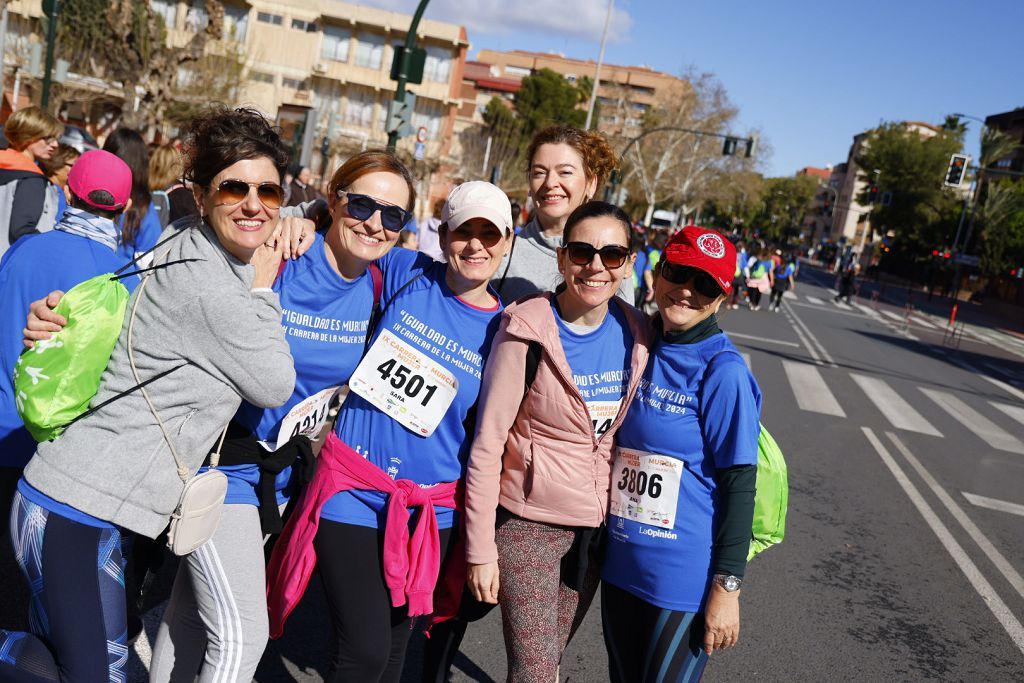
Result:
<point x="903" y="556"/>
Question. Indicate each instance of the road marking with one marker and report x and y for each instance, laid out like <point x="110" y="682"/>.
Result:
<point x="926" y="323"/>
<point x="815" y="300"/>
<point x="798" y="323"/>
<point x="831" y="310"/>
<point x="863" y="309"/>
<point x="1012" y="391"/>
<point x="746" y="359"/>
<point x="1016" y="412"/>
<point x="766" y="340"/>
<point x="788" y="311"/>
<point x="890" y="314"/>
<point x="810" y="389"/>
<point x="993" y="504"/>
<point x="842" y="304"/>
<point x="899" y="413"/>
<point x="984" y="428"/>
<point x="1003" y="371"/>
<point x="984" y="589"/>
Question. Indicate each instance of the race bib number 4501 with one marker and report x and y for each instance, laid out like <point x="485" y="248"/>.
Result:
<point x="400" y="381"/>
<point x="645" y="487"/>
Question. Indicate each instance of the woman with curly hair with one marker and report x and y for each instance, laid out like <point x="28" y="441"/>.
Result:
<point x="210" y="324"/>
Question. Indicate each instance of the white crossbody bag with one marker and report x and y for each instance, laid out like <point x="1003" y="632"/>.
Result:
<point x="197" y="515"/>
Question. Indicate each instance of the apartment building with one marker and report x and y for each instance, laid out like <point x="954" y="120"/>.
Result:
<point x="818" y="218"/>
<point x="625" y="92"/>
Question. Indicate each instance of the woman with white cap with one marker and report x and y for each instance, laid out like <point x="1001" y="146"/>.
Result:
<point x="682" y="496"/>
<point x="400" y="442"/>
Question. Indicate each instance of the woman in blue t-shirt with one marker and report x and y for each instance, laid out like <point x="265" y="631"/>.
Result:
<point x="682" y="494"/>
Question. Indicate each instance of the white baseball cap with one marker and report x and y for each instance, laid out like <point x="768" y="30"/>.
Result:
<point x="477" y="199"/>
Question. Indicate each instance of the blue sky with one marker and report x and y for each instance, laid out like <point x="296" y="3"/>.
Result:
<point x="809" y="75"/>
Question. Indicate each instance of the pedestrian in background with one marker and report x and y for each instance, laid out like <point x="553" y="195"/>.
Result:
<point x="783" y="279"/>
<point x="848" y="281"/>
<point x="566" y="167"/>
<point x="760" y="277"/>
<point x="739" y="285"/>
<point x="171" y="198"/>
<point x="429" y="241"/>
<point x="683" y="482"/>
<point x="56" y="169"/>
<point x="140" y="225"/>
<point x="540" y="466"/>
<point x="301" y="189"/>
<point x="28" y="203"/>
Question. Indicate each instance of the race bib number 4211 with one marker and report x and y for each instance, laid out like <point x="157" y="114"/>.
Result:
<point x="400" y="381"/>
<point x="645" y="487"/>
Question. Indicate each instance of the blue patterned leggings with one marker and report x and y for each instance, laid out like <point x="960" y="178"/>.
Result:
<point x="77" y="612"/>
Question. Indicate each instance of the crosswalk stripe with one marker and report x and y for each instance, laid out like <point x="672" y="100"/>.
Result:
<point x="1003" y="371"/>
<point x="899" y="413"/>
<point x="984" y="428"/>
<point x="926" y="323"/>
<point x="810" y="389"/>
<point x="746" y="359"/>
<point x="815" y="300"/>
<point x="863" y="309"/>
<point x="842" y="304"/>
<point x="1016" y="412"/>
<point x="890" y="314"/>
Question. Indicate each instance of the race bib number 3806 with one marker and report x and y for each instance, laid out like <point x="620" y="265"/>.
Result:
<point x="403" y="383"/>
<point x="645" y="487"/>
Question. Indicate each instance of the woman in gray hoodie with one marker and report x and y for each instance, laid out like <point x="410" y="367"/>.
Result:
<point x="214" y="320"/>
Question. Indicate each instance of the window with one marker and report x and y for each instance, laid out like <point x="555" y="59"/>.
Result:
<point x="438" y="66"/>
<point x="369" y="50"/>
<point x="430" y="116"/>
<point x="571" y="78"/>
<point x="1004" y="163"/>
<point x="630" y="121"/>
<point x="196" y="18"/>
<point x="360" y="108"/>
<point x="335" y="44"/>
<point x="303" y="25"/>
<point x="291" y="83"/>
<point x="268" y="18"/>
<point x="261" y="77"/>
<point x="166" y="10"/>
<point x="517" y="71"/>
<point x="236" y="22"/>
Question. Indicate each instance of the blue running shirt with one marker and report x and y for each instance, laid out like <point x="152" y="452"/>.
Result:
<point x="663" y="496"/>
<point x="324" y="318"/>
<point x="430" y="319"/>
<point x="600" y="362"/>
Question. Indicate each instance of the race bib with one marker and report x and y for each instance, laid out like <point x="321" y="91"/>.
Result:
<point x="306" y="418"/>
<point x="645" y="487"/>
<point x="602" y="415"/>
<point x="404" y="384"/>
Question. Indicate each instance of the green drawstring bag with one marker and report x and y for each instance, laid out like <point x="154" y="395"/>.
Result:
<point x="55" y="381"/>
<point x="771" y="498"/>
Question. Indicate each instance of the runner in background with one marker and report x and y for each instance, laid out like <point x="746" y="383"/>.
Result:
<point x="540" y="466"/>
<point x="683" y="480"/>
<point x="784" y="279"/>
<point x="386" y="454"/>
<point x="429" y="241"/>
<point x="760" y="277"/>
<point x="27" y="202"/>
<point x="140" y="227"/>
<point x="739" y="285"/>
<point x="56" y="169"/>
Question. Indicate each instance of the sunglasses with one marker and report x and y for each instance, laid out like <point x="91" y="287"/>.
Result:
<point x="361" y="207"/>
<point x="581" y="254"/>
<point x="271" y="195"/>
<point x="702" y="282"/>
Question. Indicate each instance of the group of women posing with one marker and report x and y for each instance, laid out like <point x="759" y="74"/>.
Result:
<point x="476" y="440"/>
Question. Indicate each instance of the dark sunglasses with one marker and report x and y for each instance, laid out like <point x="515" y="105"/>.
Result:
<point x="271" y="195"/>
<point x="581" y="253"/>
<point x="361" y="207"/>
<point x="702" y="282"/>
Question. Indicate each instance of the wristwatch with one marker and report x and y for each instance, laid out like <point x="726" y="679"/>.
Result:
<point x="730" y="583"/>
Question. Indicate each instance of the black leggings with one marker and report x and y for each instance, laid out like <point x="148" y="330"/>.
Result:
<point x="754" y="296"/>
<point x="370" y="636"/>
<point x="777" y="292"/>
<point x="648" y="644"/>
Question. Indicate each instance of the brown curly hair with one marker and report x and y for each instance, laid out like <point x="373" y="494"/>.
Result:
<point x="222" y="137"/>
<point x="599" y="159"/>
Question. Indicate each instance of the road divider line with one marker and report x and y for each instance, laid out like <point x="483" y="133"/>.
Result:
<point x="804" y="340"/>
<point x="987" y="430"/>
<point x="896" y="410"/>
<point x="766" y="340"/>
<point x="1001" y="563"/>
<point x="810" y="389"/>
<point x="810" y="335"/>
<point x="980" y="584"/>
<point x="993" y="504"/>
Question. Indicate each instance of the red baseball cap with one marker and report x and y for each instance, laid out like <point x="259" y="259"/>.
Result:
<point x="99" y="170"/>
<point x="705" y="249"/>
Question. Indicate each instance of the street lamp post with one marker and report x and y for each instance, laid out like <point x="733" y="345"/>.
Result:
<point x="971" y="200"/>
<point x="52" y="10"/>
<point x="403" y="66"/>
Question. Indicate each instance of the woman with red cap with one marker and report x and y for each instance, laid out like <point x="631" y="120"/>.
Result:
<point x="682" y="495"/>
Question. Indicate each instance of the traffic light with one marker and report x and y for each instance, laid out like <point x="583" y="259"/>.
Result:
<point x="400" y="115"/>
<point x="872" y="194"/>
<point x="955" y="172"/>
<point x="729" y="148"/>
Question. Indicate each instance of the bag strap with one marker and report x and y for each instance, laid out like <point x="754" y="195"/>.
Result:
<point x="182" y="469"/>
<point x="378" y="312"/>
<point x="142" y="254"/>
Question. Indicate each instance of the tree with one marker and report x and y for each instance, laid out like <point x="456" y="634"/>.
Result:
<point x="499" y="143"/>
<point x="545" y="98"/>
<point x="911" y="166"/>
<point x="784" y="202"/>
<point x="1002" y="220"/>
<point x="123" y="41"/>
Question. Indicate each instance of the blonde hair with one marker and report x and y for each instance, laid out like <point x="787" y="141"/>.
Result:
<point x="165" y="167"/>
<point x="27" y="125"/>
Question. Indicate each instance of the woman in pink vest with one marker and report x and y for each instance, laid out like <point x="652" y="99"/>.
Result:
<point x="540" y="468"/>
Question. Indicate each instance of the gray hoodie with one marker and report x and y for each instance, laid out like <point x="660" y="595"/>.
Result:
<point x="533" y="267"/>
<point x="115" y="464"/>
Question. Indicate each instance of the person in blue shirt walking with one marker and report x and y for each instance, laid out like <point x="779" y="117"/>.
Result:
<point x="682" y="496"/>
<point x="785" y="279"/>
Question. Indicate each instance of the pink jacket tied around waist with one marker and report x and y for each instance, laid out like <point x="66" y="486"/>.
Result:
<point x="410" y="565"/>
